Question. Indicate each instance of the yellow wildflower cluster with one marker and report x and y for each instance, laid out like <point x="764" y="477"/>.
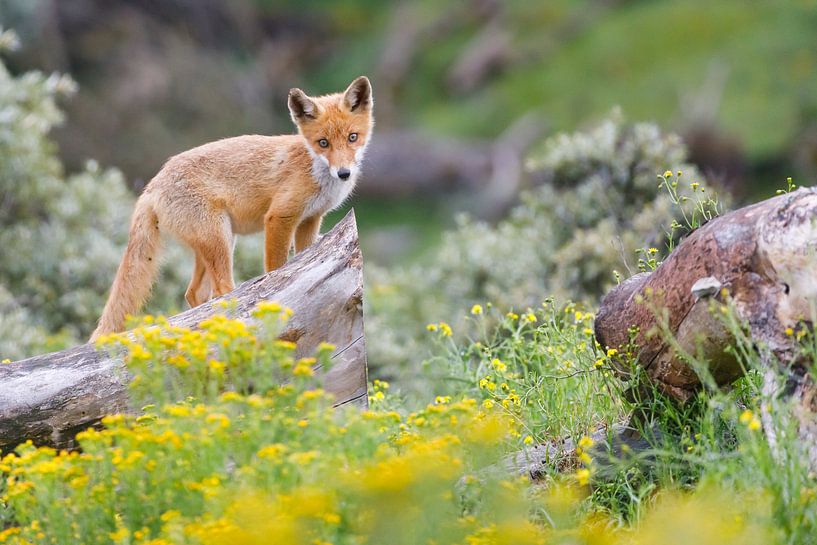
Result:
<point x="237" y="443"/>
<point x="749" y="419"/>
<point x="443" y="328"/>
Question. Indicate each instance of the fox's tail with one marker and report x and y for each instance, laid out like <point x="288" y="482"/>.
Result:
<point x="136" y="272"/>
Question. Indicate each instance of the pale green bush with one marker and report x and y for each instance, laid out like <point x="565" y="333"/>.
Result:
<point x="61" y="236"/>
<point x="601" y="201"/>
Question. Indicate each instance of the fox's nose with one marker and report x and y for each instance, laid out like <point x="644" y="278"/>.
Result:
<point x="344" y="173"/>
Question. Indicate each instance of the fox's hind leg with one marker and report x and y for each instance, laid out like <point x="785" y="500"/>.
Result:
<point x="212" y="244"/>
<point x="199" y="289"/>
<point x="217" y="257"/>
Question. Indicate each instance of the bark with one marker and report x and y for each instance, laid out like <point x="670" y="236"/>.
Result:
<point x="50" y="398"/>
<point x="765" y="257"/>
<point x="618" y="442"/>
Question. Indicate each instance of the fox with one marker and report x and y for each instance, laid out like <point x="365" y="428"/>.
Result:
<point x="282" y="185"/>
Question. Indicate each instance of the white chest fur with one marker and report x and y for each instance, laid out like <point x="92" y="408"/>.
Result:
<point x="332" y="191"/>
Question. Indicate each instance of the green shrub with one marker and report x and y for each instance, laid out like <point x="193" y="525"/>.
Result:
<point x="63" y="235"/>
<point x="600" y="203"/>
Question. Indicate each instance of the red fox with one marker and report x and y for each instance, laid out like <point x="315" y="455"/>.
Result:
<point x="283" y="185"/>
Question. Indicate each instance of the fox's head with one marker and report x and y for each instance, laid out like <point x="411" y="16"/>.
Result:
<point x="336" y="127"/>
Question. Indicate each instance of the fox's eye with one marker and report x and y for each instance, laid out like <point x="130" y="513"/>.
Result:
<point x="323" y="142"/>
<point x="353" y="137"/>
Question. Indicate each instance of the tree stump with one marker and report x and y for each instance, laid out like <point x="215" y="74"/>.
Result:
<point x="764" y="257"/>
<point x="50" y="398"/>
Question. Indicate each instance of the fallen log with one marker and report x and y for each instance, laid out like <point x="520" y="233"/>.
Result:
<point x="49" y="398"/>
<point x="764" y="259"/>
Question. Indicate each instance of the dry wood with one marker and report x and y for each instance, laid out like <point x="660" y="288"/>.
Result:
<point x="765" y="257"/>
<point x="50" y="398"/>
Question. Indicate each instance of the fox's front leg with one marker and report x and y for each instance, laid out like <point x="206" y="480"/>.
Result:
<point x="307" y="233"/>
<point x="278" y="231"/>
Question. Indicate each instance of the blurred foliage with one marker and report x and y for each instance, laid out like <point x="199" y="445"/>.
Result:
<point x="169" y="75"/>
<point x="56" y="233"/>
<point x="602" y="201"/>
<point x="59" y="234"/>
<point x="63" y="235"/>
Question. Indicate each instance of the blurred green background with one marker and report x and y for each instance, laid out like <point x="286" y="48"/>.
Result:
<point x="736" y="78"/>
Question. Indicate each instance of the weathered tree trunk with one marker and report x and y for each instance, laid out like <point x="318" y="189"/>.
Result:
<point x="765" y="257"/>
<point x="50" y="398"/>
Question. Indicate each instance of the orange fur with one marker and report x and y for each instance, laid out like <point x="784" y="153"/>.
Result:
<point x="282" y="185"/>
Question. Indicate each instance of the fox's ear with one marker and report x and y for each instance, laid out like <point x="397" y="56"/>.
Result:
<point x="358" y="95"/>
<point x="301" y="107"/>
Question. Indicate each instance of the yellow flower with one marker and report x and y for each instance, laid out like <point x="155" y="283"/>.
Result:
<point x="611" y="352"/>
<point x="488" y="403"/>
<point x="476" y="310"/>
<point x="751" y="421"/>
<point x="287" y="345"/>
<point x="582" y="476"/>
<point x="512" y="316"/>
<point x="178" y="361"/>
<point x="119" y="535"/>
<point x="230" y="396"/>
<point x="380" y="384"/>
<point x="445" y="329"/>
<point x="789" y="332"/>
<point x="268" y="307"/>
<point x="489" y="430"/>
<point x="331" y="518"/>
<point x="113" y="420"/>
<point x="668" y="174"/>
<point x="302" y="370"/>
<point x="304" y="458"/>
<point x="487" y="384"/>
<point x="528" y="440"/>
<point x="5" y="361"/>
<point x="271" y="452"/>
<point x="497" y="364"/>
<point x="431" y="327"/>
<point x="218" y="418"/>
<point x="586" y="442"/>
<point x="177" y="410"/>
